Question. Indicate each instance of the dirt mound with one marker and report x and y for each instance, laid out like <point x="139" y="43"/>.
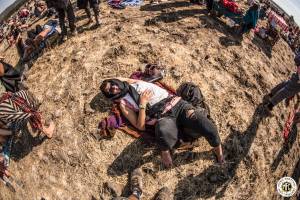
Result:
<point x="233" y="76"/>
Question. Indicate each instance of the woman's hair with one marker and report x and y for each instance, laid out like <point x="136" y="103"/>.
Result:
<point x="103" y="86"/>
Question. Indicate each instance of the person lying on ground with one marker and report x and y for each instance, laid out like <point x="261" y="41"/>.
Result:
<point x="144" y="103"/>
<point x="285" y="89"/>
<point x="136" y="187"/>
<point x="25" y="48"/>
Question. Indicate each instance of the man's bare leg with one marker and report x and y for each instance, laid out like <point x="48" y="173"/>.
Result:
<point x="166" y="158"/>
<point x="219" y="153"/>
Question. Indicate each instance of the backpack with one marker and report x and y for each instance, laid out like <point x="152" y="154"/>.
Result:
<point x="191" y="93"/>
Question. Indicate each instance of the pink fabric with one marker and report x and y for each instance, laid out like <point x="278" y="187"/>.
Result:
<point x="279" y="21"/>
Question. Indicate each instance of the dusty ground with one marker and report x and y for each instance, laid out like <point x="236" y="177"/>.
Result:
<point x="234" y="77"/>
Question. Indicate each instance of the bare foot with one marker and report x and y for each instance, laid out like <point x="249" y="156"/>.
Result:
<point x="49" y="130"/>
<point x="166" y="159"/>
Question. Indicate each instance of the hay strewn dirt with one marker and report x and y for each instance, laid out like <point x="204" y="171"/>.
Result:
<point x="233" y="77"/>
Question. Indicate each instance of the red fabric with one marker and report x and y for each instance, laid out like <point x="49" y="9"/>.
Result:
<point x="289" y="123"/>
<point x="279" y="21"/>
<point x="230" y="5"/>
<point x="35" y="120"/>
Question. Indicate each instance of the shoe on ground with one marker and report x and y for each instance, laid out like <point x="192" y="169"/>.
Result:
<point x="136" y="180"/>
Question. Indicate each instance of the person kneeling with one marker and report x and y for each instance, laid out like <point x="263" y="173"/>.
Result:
<point x="142" y="103"/>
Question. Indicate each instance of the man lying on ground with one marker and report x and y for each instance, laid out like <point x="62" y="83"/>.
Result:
<point x="25" y="48"/>
<point x="144" y="103"/>
<point x="285" y="89"/>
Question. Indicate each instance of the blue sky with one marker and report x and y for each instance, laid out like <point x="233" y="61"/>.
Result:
<point x="4" y="4"/>
<point x="292" y="7"/>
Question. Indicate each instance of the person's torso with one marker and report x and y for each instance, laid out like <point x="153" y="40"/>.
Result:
<point x="141" y="86"/>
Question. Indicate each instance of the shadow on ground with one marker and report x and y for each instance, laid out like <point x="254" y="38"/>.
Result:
<point x="214" y="180"/>
<point x="24" y="142"/>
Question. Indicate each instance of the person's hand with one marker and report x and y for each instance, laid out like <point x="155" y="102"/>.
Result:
<point x="166" y="159"/>
<point x="145" y="97"/>
<point x="3" y="169"/>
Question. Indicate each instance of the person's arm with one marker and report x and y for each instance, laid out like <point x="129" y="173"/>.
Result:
<point x="139" y="120"/>
<point x="128" y="80"/>
<point x="1" y="69"/>
<point x="5" y="132"/>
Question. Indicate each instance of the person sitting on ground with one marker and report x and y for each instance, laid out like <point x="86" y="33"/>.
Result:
<point x="285" y="89"/>
<point x="144" y="103"/>
<point x="136" y="187"/>
<point x="24" y="13"/>
<point x="94" y="4"/>
<point x="40" y="8"/>
<point x="17" y="110"/>
<point x="13" y="35"/>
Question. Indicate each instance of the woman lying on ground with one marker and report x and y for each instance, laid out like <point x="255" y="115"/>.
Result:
<point x="144" y="103"/>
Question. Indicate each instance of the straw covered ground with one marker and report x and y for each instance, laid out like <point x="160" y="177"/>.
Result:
<point x="192" y="46"/>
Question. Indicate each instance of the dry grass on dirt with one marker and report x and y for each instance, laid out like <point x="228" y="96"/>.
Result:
<point x="194" y="47"/>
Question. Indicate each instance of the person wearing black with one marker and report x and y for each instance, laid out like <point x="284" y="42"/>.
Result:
<point x="94" y="4"/>
<point x="9" y="77"/>
<point x="209" y="5"/>
<point x="285" y="89"/>
<point x="62" y="7"/>
<point x="143" y="103"/>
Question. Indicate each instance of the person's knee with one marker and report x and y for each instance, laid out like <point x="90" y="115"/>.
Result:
<point x="207" y="128"/>
<point x="166" y="134"/>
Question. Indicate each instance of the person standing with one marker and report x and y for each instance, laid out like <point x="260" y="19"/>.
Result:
<point x="286" y="89"/>
<point x="62" y="7"/>
<point x="94" y="4"/>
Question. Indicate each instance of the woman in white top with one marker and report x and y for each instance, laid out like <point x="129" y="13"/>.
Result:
<point x="175" y="119"/>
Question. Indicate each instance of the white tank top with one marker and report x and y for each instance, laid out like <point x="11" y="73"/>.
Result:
<point x="140" y="86"/>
